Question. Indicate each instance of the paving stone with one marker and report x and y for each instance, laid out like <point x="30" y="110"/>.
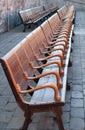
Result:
<point x="6" y="116"/>
<point x="77" y="94"/>
<point x="3" y="102"/>
<point x="84" y="103"/>
<point x="76" y="124"/>
<point x="3" y="126"/>
<point x="12" y="99"/>
<point x="15" y="123"/>
<point x="66" y="108"/>
<point x="77" y="87"/>
<point x="84" y="86"/>
<point x="1" y="90"/>
<point x="33" y="126"/>
<point x="7" y="92"/>
<point x="67" y="126"/>
<point x="46" y="123"/>
<point x="55" y="126"/>
<point x="11" y="107"/>
<point x="18" y="113"/>
<point x="77" y="103"/>
<point x="75" y="82"/>
<point x="77" y="112"/>
<point x="68" y="96"/>
<point x="36" y="117"/>
<point x="49" y="124"/>
<point x="66" y="117"/>
<point x="84" y="91"/>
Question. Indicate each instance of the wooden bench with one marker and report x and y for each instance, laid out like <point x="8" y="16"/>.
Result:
<point x="38" y="66"/>
<point x="33" y="15"/>
<point x="66" y="12"/>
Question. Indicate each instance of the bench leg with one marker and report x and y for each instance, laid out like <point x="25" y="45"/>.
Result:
<point x="73" y="33"/>
<point x="26" y="122"/>
<point x="72" y="40"/>
<point x="68" y="86"/>
<point x="24" y="28"/>
<point x="58" y="113"/>
<point x="71" y="49"/>
<point x="73" y="21"/>
<point x="70" y="63"/>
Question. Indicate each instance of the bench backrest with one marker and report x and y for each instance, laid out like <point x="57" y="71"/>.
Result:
<point x="26" y="14"/>
<point x="15" y="64"/>
<point x="54" y="22"/>
<point x="47" y="30"/>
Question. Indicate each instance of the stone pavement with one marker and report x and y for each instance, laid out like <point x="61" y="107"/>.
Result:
<point x="11" y="117"/>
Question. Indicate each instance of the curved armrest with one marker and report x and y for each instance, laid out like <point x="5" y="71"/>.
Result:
<point x="49" y="63"/>
<point x="56" y="44"/>
<point x="61" y="35"/>
<point x="65" y="39"/>
<point x="59" y="84"/>
<point x="51" y="56"/>
<point x="48" y="85"/>
<point x="63" y="32"/>
<point x="54" y="49"/>
<point x="52" y="43"/>
<point x="62" y="40"/>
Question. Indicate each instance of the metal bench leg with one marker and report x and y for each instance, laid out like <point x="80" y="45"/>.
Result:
<point x="68" y="86"/>
<point x="70" y="63"/>
<point x="72" y="40"/>
<point x="59" y="119"/>
<point x="24" y="28"/>
<point x="26" y="122"/>
<point x="71" y="49"/>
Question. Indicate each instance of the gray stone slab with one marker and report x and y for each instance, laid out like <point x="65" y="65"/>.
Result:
<point x="77" y="112"/>
<point x="77" y="94"/>
<point x="68" y="96"/>
<point x="3" y="126"/>
<point x="11" y="107"/>
<point x="84" y="103"/>
<point x="83" y="86"/>
<point x="84" y="91"/>
<point x="6" y="116"/>
<point x="15" y="123"/>
<point x="66" y="117"/>
<point x="77" y="103"/>
<point x="33" y="126"/>
<point x="76" y="124"/>
<point x="67" y="126"/>
<point x="55" y="126"/>
<point x="66" y="108"/>
<point x="77" y="81"/>
<point x="77" y="87"/>
<point x="36" y="117"/>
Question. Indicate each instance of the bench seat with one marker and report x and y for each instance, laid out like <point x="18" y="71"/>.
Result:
<point x="46" y="95"/>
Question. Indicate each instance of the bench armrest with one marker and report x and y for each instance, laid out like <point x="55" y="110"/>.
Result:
<point x="48" y="85"/>
<point x="54" y="49"/>
<point x="57" y="41"/>
<point x="59" y="84"/>
<point x="49" y="63"/>
<point x="58" y="44"/>
<point x="51" y="56"/>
